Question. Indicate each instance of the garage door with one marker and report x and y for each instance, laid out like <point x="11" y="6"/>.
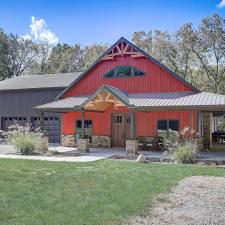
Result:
<point x="51" y="127"/>
<point x="9" y="121"/>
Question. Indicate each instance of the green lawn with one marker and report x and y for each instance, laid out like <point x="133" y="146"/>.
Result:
<point x="51" y="193"/>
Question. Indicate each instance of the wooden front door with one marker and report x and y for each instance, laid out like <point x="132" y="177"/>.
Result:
<point x="118" y="135"/>
<point x="128" y="126"/>
<point x="121" y="129"/>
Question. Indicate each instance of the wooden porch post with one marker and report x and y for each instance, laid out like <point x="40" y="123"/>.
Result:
<point x="83" y="124"/>
<point x="191" y="120"/>
<point x="200" y="124"/>
<point x="207" y="130"/>
<point x="134" y="126"/>
<point x="42" y="121"/>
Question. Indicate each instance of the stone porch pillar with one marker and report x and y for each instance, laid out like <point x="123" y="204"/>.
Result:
<point x="207" y="130"/>
<point x="132" y="148"/>
<point x="44" y="144"/>
<point x="132" y="145"/>
<point x="83" y="143"/>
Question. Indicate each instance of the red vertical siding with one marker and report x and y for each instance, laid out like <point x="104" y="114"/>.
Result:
<point x="101" y="121"/>
<point x="146" y="123"/>
<point x="155" y="79"/>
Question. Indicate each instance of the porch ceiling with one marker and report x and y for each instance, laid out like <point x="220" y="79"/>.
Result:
<point x="102" y="101"/>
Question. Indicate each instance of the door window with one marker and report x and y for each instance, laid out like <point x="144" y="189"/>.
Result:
<point x="117" y="119"/>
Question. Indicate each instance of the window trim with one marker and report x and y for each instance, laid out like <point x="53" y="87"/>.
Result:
<point x="167" y="124"/>
<point x="114" y="69"/>
<point x="75" y="128"/>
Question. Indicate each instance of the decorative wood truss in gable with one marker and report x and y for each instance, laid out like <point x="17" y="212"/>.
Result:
<point x="122" y="48"/>
<point x="102" y="101"/>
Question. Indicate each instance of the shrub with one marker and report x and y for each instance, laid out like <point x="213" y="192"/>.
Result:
<point x="171" y="142"/>
<point x="188" y="135"/>
<point x="221" y="125"/>
<point x="24" y="140"/>
<point x="186" y="153"/>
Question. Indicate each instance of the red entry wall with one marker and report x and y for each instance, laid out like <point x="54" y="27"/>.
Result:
<point x="146" y="123"/>
<point x="101" y="121"/>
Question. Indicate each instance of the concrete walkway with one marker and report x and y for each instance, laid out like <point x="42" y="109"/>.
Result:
<point x="7" y="152"/>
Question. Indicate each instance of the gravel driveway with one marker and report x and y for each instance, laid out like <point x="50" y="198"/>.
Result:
<point x="195" y="200"/>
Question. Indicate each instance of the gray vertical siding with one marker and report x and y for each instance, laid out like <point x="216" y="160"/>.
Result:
<point x="21" y="103"/>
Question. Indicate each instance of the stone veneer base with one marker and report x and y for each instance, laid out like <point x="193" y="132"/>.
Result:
<point x="68" y="140"/>
<point x="82" y="145"/>
<point x="98" y="141"/>
<point x="101" y="141"/>
<point x="132" y="148"/>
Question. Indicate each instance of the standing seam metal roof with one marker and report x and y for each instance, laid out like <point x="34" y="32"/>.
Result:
<point x="60" y="80"/>
<point x="147" y="100"/>
<point x="176" y="99"/>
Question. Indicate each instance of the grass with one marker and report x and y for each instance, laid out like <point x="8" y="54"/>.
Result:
<point x="56" y="193"/>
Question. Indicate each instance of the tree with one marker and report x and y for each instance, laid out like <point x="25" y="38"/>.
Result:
<point x="92" y="52"/>
<point x="160" y="45"/>
<point x="40" y="63"/>
<point x="21" y="54"/>
<point x="208" y="44"/>
<point x="164" y="49"/>
<point x="144" y="41"/>
<point x="3" y="55"/>
<point x="185" y="58"/>
<point x="65" y="59"/>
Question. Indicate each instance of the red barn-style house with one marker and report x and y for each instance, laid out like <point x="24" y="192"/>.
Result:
<point x="128" y="95"/>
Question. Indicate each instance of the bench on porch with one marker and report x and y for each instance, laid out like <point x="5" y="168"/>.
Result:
<point x="148" y="143"/>
<point x="218" y="137"/>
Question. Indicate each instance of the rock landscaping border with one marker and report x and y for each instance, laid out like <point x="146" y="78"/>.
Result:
<point x="165" y="160"/>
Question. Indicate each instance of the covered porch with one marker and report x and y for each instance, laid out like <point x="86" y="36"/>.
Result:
<point x="112" y="118"/>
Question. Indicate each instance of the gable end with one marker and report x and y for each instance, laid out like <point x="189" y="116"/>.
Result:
<point x="137" y="53"/>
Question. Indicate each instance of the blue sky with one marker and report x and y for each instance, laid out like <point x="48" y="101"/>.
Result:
<point x="96" y="21"/>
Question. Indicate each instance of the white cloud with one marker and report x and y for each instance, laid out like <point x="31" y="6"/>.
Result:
<point x="27" y="37"/>
<point x="41" y="33"/>
<point x="221" y="4"/>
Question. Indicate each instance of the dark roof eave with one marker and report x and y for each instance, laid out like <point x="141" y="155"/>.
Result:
<point x="141" y="108"/>
<point x="58" y="110"/>
<point x="33" y="89"/>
